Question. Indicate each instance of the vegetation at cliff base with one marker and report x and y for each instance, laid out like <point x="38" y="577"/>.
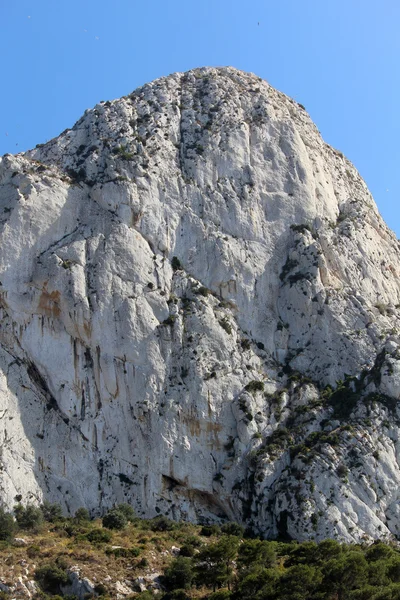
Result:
<point x="158" y="558"/>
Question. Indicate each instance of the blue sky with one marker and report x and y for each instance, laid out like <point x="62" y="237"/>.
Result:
<point x="340" y="58"/>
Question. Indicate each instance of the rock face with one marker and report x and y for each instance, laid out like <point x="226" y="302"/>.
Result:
<point x="199" y="316"/>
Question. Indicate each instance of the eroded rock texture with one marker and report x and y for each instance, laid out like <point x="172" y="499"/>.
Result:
<point x="183" y="273"/>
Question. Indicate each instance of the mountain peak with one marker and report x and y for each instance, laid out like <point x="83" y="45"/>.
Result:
<point x="182" y="274"/>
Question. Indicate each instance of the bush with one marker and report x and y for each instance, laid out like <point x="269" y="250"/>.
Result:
<point x="123" y="552"/>
<point x="225" y="324"/>
<point x="115" y="519"/>
<point x="33" y="551"/>
<point x="193" y="540"/>
<point x="342" y="471"/>
<point x="203" y="291"/>
<point x="187" y="550"/>
<point x="28" y="517"/>
<point x="7" y="525"/>
<point x="100" y="589"/>
<point x="232" y="529"/>
<point x="50" y="577"/>
<point x="99" y="536"/>
<point x="303" y="227"/>
<point x="72" y="529"/>
<point x="176" y="264"/>
<point x="128" y="511"/>
<point x="143" y="563"/>
<point x="209" y="530"/>
<point x="161" y="524"/>
<point x="169" y="320"/>
<point x="51" y="512"/>
<point x="123" y="152"/>
<point x="254" y="386"/>
<point x="82" y="514"/>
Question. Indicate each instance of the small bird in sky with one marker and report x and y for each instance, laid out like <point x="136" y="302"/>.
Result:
<point x="6" y="133"/>
<point x="258" y="23"/>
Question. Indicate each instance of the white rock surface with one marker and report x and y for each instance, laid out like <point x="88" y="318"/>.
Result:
<point x="80" y="587"/>
<point x="122" y="376"/>
<point x="122" y="590"/>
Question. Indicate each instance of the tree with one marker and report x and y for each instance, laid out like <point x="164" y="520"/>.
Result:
<point x="29" y="516"/>
<point x="214" y="563"/>
<point x="370" y="592"/>
<point x="299" y="582"/>
<point x="179" y="574"/>
<point x="394" y="569"/>
<point x="256" y="552"/>
<point x="378" y="573"/>
<point x="259" y="583"/>
<point x="328" y="549"/>
<point x="303" y="554"/>
<point x="114" y="519"/>
<point x="379" y="551"/>
<point x="7" y="525"/>
<point x="345" y="573"/>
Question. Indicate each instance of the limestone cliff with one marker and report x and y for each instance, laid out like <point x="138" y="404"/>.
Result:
<point x="200" y="316"/>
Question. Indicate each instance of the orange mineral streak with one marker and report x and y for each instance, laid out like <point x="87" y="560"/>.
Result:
<point x="87" y="328"/>
<point x="49" y="303"/>
<point x="198" y="427"/>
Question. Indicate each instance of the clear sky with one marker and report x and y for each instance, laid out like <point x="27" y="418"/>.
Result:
<point x="340" y="58"/>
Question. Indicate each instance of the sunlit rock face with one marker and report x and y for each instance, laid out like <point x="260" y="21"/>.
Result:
<point x="183" y="273"/>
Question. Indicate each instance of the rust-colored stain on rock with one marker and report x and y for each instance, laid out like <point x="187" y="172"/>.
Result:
<point x="49" y="303"/>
